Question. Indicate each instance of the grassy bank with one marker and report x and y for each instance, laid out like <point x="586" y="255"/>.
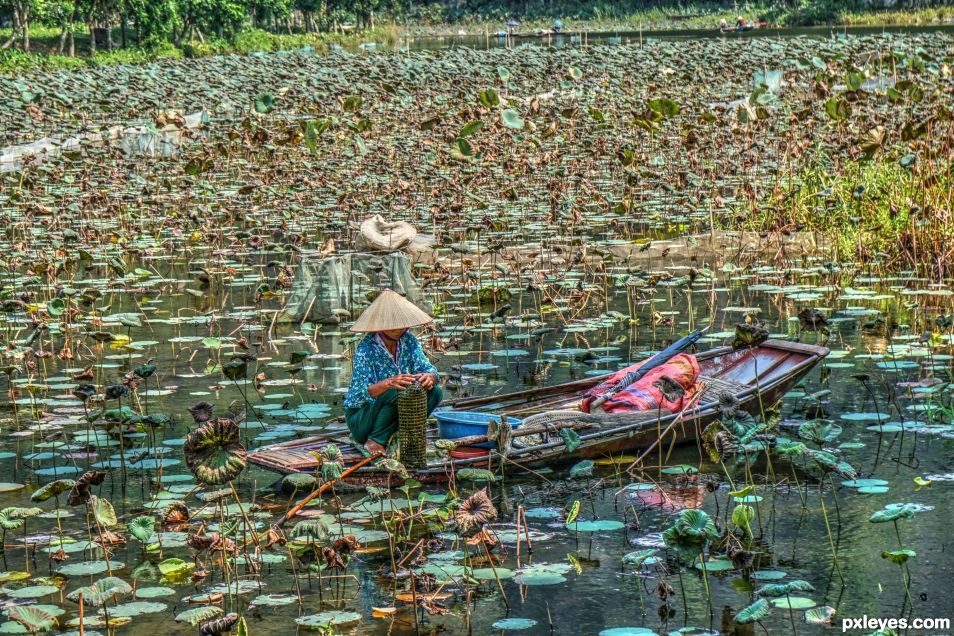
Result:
<point x="45" y="41"/>
<point x="885" y="209"/>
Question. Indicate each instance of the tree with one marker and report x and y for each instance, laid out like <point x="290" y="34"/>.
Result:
<point x="61" y="14"/>
<point x="224" y="18"/>
<point x="308" y="9"/>
<point x="22" y="11"/>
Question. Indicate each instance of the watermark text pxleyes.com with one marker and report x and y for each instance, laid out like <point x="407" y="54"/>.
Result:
<point x="871" y="623"/>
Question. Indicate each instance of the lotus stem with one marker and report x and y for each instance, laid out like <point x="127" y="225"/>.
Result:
<point x="831" y="540"/>
<point x="493" y="569"/>
<point x="682" y="589"/>
<point x="705" y="581"/>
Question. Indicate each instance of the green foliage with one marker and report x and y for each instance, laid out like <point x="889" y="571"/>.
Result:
<point x="742" y="516"/>
<point x="754" y="612"/>
<point x="690" y="534"/>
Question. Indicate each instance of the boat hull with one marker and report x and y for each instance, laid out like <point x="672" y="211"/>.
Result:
<point x="757" y="378"/>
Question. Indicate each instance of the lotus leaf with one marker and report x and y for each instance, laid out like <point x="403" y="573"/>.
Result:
<point x="214" y="452"/>
<point x="101" y="591"/>
<point x="199" y="615"/>
<point x="52" y="489"/>
<point x="754" y="612"/>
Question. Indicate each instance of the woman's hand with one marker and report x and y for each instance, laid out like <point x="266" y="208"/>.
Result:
<point x="426" y="380"/>
<point x="396" y="382"/>
<point x="400" y="381"/>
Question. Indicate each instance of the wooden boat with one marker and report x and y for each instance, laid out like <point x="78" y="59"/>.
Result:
<point x="757" y="378"/>
<point x="541" y="33"/>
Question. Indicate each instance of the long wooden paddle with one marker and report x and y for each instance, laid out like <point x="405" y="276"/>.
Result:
<point x="325" y="486"/>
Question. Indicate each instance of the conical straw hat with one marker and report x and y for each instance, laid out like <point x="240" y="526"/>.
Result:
<point x="390" y="310"/>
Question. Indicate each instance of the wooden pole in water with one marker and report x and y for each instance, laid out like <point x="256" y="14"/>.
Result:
<point x="325" y="486"/>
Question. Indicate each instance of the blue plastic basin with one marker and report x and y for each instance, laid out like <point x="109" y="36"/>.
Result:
<point x="457" y="424"/>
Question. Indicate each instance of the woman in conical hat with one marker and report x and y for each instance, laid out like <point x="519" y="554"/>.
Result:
<point x="388" y="359"/>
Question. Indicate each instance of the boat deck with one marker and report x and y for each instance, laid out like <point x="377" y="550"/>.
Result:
<point x="749" y="375"/>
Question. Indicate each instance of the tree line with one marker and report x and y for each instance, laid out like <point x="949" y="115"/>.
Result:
<point x="122" y="23"/>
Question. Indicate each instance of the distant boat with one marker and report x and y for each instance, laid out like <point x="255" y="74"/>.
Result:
<point x="742" y="28"/>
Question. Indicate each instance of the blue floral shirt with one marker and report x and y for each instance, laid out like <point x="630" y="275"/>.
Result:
<point x="373" y="363"/>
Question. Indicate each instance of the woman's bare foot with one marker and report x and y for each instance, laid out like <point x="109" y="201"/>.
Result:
<point x="373" y="447"/>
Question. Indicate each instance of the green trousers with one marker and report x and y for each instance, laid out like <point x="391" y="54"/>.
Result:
<point x="378" y="420"/>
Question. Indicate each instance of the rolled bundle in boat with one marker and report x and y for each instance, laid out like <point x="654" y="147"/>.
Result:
<point x="552" y="417"/>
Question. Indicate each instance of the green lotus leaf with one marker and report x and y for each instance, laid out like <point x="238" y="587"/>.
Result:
<point x="332" y="618"/>
<point x="103" y="511"/>
<point x="52" y="489"/>
<point x="664" y="107"/>
<point x="13" y="517"/>
<point x="638" y="557"/>
<point x="264" y="103"/>
<point x="582" y="469"/>
<point x="101" y="591"/>
<point x="511" y="119"/>
<point x="742" y="517"/>
<point x="142" y="527"/>
<point x="892" y="514"/>
<point x="898" y="556"/>
<point x="199" y="615"/>
<point x="137" y="608"/>
<point x="32" y="618"/>
<point x="754" y="612"/>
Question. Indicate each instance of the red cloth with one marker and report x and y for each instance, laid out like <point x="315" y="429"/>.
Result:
<point x="642" y="395"/>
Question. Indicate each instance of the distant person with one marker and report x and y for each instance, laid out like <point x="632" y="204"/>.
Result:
<point x="512" y="26"/>
<point x="723" y="25"/>
<point x="557" y="26"/>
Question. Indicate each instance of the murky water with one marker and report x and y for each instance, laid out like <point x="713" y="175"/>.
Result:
<point x="500" y="39"/>
<point x="597" y="591"/>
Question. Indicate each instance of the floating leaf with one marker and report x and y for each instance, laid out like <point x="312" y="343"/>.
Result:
<point x="582" y="469"/>
<point x="137" y="608"/>
<point x="264" y="103"/>
<point x="333" y="618"/>
<point x="664" y="107"/>
<point x="511" y="119"/>
<point x="514" y="623"/>
<point x="198" y="615"/>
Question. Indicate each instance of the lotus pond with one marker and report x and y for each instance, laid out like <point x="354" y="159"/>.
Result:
<point x="588" y="206"/>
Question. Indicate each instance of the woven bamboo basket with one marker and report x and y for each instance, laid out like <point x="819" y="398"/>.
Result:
<point x="412" y="415"/>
